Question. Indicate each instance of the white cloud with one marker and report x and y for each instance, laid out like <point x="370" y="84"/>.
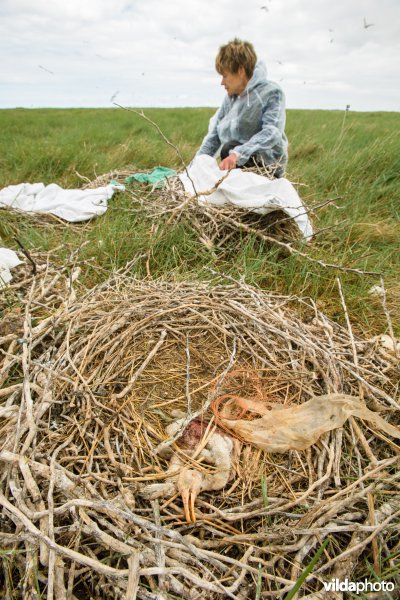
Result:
<point x="78" y="53"/>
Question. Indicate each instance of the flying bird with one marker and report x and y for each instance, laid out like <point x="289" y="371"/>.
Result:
<point x="366" y="25"/>
<point x="264" y="8"/>
<point x="47" y="70"/>
<point x="115" y="94"/>
<point x="207" y="444"/>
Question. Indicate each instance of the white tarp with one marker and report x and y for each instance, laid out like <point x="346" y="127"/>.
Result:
<point x="246" y="190"/>
<point x="70" y="205"/>
<point x="8" y="260"/>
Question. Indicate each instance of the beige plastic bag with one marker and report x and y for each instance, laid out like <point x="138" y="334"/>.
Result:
<point x="298" y="427"/>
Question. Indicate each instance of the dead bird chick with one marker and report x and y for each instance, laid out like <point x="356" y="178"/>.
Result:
<point x="189" y="482"/>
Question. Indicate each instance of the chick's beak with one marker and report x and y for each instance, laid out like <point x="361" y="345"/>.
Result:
<point x="189" y="498"/>
<point x="189" y="486"/>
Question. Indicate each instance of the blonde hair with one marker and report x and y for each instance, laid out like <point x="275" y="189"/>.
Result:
<point x="236" y="54"/>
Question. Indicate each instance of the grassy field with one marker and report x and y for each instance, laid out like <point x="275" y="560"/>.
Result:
<point x="352" y="157"/>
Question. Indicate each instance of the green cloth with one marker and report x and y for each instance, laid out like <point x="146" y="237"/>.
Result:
<point x="156" y="176"/>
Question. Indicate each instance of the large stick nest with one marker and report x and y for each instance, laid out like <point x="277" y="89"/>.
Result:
<point x="215" y="225"/>
<point x="89" y="387"/>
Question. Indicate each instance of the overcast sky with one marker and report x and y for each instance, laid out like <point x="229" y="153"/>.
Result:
<point x="324" y="53"/>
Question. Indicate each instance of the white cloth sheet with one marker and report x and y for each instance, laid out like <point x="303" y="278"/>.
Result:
<point x="70" y="205"/>
<point x="8" y="260"/>
<point x="246" y="190"/>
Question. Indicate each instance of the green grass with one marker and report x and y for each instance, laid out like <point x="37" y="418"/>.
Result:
<point x="52" y="144"/>
<point x="307" y="570"/>
<point x="354" y="157"/>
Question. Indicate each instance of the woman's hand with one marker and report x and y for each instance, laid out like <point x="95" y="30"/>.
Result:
<point x="229" y="162"/>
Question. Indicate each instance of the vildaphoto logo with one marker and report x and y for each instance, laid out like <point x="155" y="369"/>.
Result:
<point x="335" y="585"/>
